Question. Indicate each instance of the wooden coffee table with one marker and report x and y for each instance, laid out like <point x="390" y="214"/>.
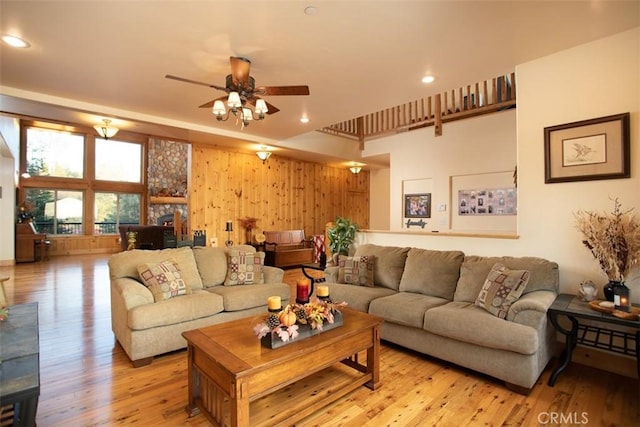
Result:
<point x="233" y="378"/>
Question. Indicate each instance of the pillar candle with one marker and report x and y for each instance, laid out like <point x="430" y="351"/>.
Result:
<point x="302" y="290"/>
<point x="274" y="303"/>
<point x="323" y="291"/>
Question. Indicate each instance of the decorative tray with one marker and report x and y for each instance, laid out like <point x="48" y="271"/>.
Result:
<point x="633" y="315"/>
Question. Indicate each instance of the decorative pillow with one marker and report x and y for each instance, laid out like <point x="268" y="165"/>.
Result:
<point x="163" y="279"/>
<point x="244" y="268"/>
<point x="502" y="288"/>
<point x="356" y="270"/>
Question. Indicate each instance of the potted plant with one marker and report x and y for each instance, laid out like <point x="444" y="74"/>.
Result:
<point x="341" y="236"/>
<point x="614" y="241"/>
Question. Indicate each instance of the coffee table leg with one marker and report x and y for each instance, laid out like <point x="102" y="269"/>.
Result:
<point x="193" y="376"/>
<point x="239" y="406"/>
<point x="373" y="360"/>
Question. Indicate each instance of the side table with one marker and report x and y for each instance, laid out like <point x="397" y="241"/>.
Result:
<point x="20" y="367"/>
<point x="583" y="332"/>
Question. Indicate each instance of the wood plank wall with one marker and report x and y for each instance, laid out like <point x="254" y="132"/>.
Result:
<point x="283" y="193"/>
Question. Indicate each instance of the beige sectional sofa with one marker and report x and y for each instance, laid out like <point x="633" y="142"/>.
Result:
<point x="428" y="300"/>
<point x="146" y="326"/>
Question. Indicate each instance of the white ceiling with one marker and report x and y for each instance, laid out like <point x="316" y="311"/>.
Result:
<point x="95" y="59"/>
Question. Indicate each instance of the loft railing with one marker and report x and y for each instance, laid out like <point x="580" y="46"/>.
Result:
<point x="483" y="97"/>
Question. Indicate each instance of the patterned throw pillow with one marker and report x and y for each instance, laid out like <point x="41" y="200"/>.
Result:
<point x="163" y="279"/>
<point x="356" y="270"/>
<point x="244" y="268"/>
<point x="502" y="288"/>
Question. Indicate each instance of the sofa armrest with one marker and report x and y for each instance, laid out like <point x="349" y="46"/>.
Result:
<point x="131" y="292"/>
<point x="273" y="274"/>
<point x="331" y="274"/>
<point x="531" y="308"/>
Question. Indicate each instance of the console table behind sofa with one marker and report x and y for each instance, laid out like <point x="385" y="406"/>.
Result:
<point x="287" y="248"/>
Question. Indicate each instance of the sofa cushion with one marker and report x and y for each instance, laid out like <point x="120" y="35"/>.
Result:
<point x="543" y="274"/>
<point x="244" y="268"/>
<point x="431" y="272"/>
<point x="125" y="264"/>
<point x="465" y="322"/>
<point x="501" y="289"/>
<point x="357" y="297"/>
<point x="212" y="265"/>
<point x="242" y="297"/>
<point x="356" y="270"/>
<point x="163" y="279"/>
<point x="405" y="308"/>
<point x="389" y="264"/>
<point x="177" y="310"/>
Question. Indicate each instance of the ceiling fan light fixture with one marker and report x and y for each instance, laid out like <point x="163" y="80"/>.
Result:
<point x="106" y="131"/>
<point x="261" y="107"/>
<point x="233" y="102"/>
<point x="218" y="109"/>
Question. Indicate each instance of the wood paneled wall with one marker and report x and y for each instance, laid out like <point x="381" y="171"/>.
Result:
<point x="283" y="193"/>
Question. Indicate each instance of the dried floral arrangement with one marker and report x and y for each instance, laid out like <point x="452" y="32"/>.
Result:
<point x="284" y="323"/>
<point x="248" y="223"/>
<point x="613" y="239"/>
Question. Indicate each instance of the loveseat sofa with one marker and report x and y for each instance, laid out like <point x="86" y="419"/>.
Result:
<point x="185" y="288"/>
<point x="455" y="307"/>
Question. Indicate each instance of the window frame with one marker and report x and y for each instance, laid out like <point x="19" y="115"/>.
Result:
<point x="89" y="185"/>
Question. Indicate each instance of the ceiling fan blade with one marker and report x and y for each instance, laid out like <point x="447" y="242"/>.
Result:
<point x="210" y="103"/>
<point x="182" y="79"/>
<point x="240" y="68"/>
<point x="282" y="90"/>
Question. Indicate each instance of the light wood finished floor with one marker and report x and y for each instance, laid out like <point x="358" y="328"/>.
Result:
<point x="87" y="380"/>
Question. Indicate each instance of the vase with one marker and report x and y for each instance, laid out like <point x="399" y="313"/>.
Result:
<point x="609" y="287"/>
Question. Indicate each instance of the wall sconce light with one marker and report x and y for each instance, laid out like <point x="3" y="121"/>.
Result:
<point x="263" y="155"/>
<point x="355" y="169"/>
<point x="106" y="131"/>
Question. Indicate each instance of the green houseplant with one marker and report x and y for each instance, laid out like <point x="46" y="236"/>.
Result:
<point x="342" y="235"/>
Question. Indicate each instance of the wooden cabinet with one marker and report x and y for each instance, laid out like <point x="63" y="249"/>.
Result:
<point x="26" y="239"/>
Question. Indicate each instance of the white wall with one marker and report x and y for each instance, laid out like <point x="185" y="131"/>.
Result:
<point x="9" y="154"/>
<point x="473" y="146"/>
<point x="379" y="180"/>
<point x="592" y="80"/>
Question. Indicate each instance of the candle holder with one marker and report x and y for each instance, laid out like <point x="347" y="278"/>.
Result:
<point x="304" y="288"/>
<point x="228" y="228"/>
<point x="621" y="298"/>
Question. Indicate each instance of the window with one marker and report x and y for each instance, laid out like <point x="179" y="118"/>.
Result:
<point x="54" y="153"/>
<point x="56" y="211"/>
<point x="118" y="161"/>
<point x="81" y="184"/>
<point x="115" y="209"/>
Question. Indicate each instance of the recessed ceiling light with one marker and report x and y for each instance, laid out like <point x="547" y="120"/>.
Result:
<point x="310" y="10"/>
<point x="15" y="41"/>
<point x="428" y="79"/>
<point x="304" y="119"/>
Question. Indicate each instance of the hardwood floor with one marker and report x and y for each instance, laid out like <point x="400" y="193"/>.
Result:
<point x="87" y="380"/>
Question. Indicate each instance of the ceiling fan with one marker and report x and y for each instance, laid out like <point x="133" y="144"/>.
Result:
<point x="241" y="83"/>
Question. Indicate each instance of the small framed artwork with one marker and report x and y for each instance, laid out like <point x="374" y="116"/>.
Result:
<point x="588" y="150"/>
<point x="417" y="205"/>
